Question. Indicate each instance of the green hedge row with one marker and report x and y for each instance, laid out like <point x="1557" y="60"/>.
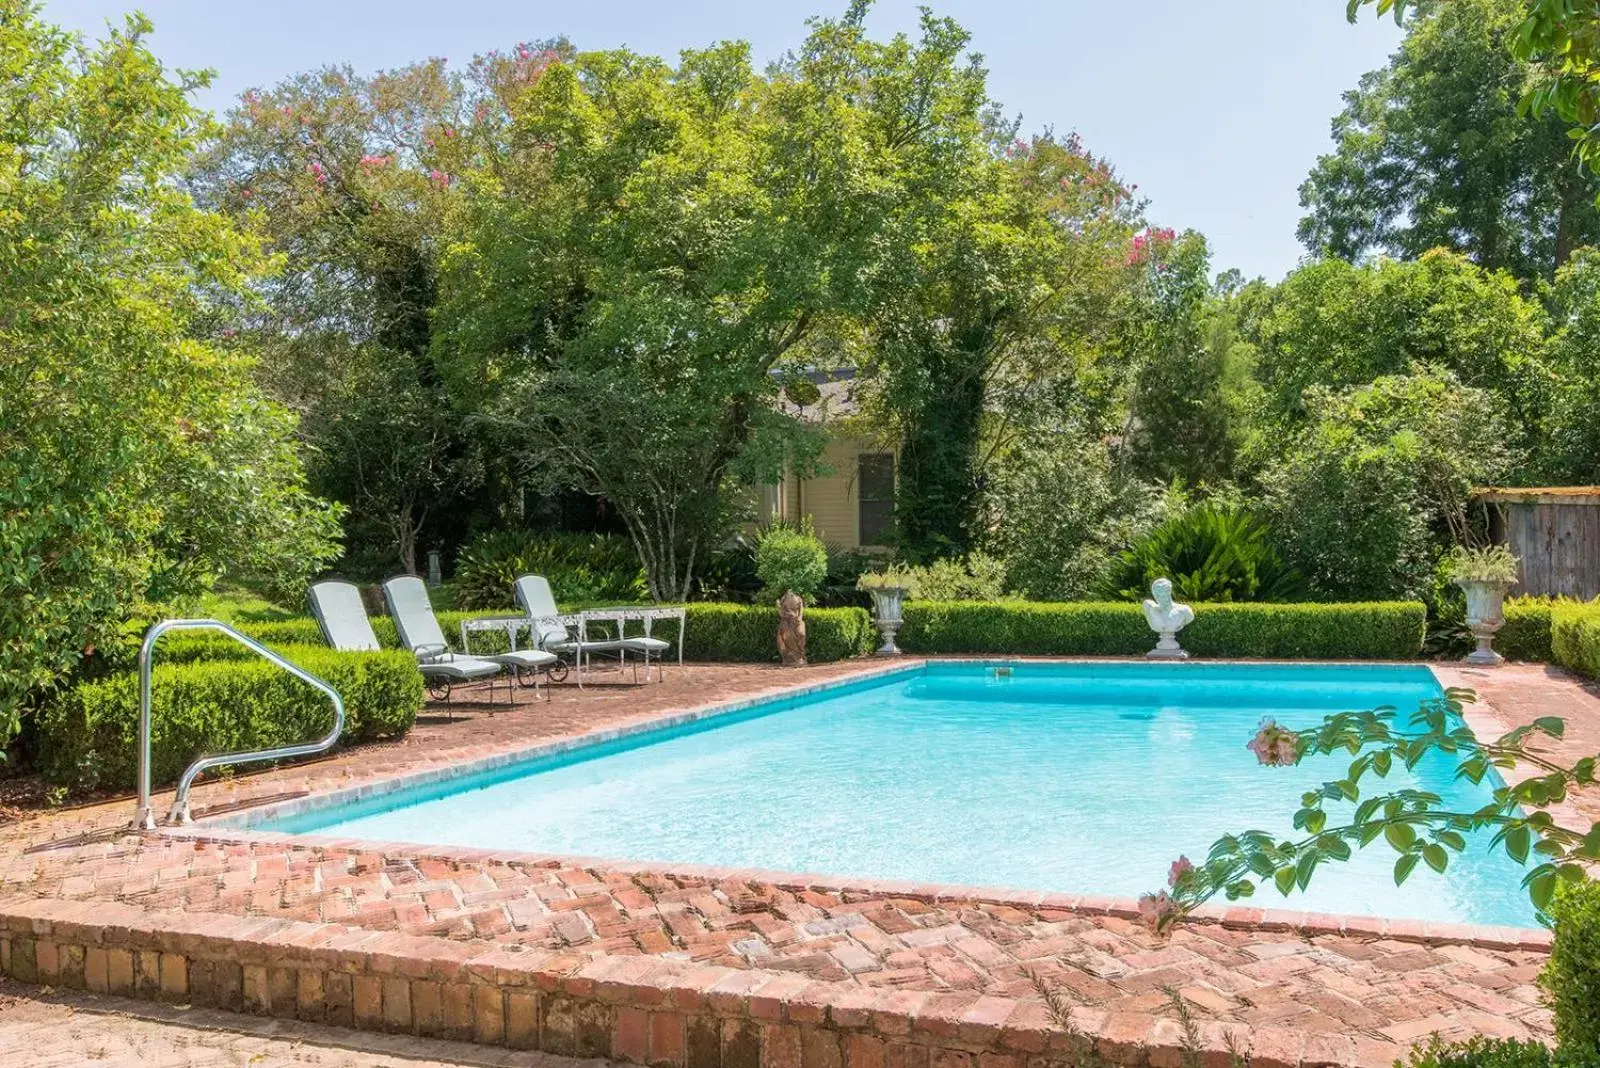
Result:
<point x="1575" y="637"/>
<point x="726" y="632"/>
<point x="1377" y="631"/>
<point x="1552" y="631"/>
<point x="212" y="705"/>
<point x="749" y="633"/>
<point x="1526" y="634"/>
<point x="1571" y="979"/>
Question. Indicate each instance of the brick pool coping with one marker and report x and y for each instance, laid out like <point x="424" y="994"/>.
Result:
<point x="650" y="1009"/>
<point x="234" y="827"/>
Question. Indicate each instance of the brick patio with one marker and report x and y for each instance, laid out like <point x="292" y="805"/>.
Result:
<point x="928" y="971"/>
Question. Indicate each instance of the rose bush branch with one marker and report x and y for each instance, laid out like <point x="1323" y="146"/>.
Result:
<point x="1414" y="823"/>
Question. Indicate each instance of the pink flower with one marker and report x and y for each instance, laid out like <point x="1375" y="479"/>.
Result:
<point x="439" y="178"/>
<point x="1157" y="910"/>
<point x="1275" y="746"/>
<point x="1180" y="867"/>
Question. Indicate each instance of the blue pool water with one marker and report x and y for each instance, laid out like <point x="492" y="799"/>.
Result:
<point x="1069" y="777"/>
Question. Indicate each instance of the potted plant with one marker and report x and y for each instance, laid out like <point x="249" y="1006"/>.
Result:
<point x="888" y="590"/>
<point x="1484" y="575"/>
<point x="792" y="564"/>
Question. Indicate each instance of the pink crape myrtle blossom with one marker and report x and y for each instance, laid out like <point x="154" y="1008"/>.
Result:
<point x="1157" y="910"/>
<point x="1275" y="746"/>
<point x="1180" y="867"/>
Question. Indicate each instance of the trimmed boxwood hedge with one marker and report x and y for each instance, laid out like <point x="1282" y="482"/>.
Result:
<point x="1526" y="634"/>
<point x="1575" y="637"/>
<point x="749" y="633"/>
<point x="1571" y="979"/>
<point x="740" y="633"/>
<point x="1376" y="631"/>
<point x="1552" y="631"/>
<point x="86" y="736"/>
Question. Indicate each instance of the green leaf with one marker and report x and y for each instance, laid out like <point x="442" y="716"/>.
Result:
<point x="1400" y="835"/>
<point x="1517" y="841"/>
<point x="1554" y="726"/>
<point x="1436" y="857"/>
<point x="1542" y="888"/>
<point x="1403" y="866"/>
<point x="1284" y="879"/>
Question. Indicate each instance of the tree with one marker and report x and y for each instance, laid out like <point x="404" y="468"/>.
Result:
<point x="351" y="179"/>
<point x="1376" y="483"/>
<point x="1570" y="449"/>
<point x="1337" y="325"/>
<point x="652" y="246"/>
<point x="1016" y="259"/>
<point x="1192" y="394"/>
<point x="137" y="462"/>
<point x="1434" y="151"/>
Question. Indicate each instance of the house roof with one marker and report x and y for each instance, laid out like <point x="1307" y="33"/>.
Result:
<point x="836" y="395"/>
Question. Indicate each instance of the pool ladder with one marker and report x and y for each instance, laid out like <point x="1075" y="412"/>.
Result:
<point x="144" y="819"/>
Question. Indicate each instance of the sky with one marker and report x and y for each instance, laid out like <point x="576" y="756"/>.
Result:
<point x="1215" y="109"/>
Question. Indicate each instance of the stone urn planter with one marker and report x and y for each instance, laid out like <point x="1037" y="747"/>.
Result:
<point x="888" y="603"/>
<point x="1485" y="602"/>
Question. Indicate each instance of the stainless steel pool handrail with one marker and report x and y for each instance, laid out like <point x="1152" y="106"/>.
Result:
<point x="144" y="818"/>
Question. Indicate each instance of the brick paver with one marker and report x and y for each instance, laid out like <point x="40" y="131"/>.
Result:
<point x="1387" y="989"/>
<point x="70" y="1029"/>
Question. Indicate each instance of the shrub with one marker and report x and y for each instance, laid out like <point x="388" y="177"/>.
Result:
<point x="1381" y="631"/>
<point x="1025" y="628"/>
<point x="790" y="559"/>
<point x="1575" y="637"/>
<point x="1481" y="1052"/>
<point x="739" y="633"/>
<point x="1526" y="635"/>
<point x="1212" y="552"/>
<point x="580" y="567"/>
<point x="1361" y="489"/>
<point x="1494" y="564"/>
<point x="1384" y="630"/>
<point x="977" y="578"/>
<point x="1571" y="979"/>
<point x="86" y="736"/>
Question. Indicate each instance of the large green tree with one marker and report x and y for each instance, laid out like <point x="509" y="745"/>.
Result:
<point x="1374" y="485"/>
<point x="651" y="246"/>
<point x="1002" y="313"/>
<point x="1334" y="324"/>
<point x="352" y="180"/>
<point x="137" y="459"/>
<point x="1434" y="150"/>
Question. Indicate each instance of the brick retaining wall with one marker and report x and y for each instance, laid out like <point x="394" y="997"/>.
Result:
<point x="637" y="1009"/>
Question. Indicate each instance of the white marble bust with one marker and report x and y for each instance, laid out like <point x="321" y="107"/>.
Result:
<point x="1166" y="617"/>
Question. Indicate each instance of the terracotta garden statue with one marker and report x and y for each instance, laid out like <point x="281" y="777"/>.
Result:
<point x="792" y="565"/>
<point x="1166" y="617"/>
<point x="791" y="630"/>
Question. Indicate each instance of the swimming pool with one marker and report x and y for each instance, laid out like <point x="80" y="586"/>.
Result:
<point x="1077" y="777"/>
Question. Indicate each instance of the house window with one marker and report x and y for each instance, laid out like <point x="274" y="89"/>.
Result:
<point x="876" y="486"/>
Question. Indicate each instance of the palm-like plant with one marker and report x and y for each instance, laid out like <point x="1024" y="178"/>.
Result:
<point x="1213" y="552"/>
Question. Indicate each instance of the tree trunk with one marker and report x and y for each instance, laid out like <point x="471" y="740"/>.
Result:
<point x="936" y="498"/>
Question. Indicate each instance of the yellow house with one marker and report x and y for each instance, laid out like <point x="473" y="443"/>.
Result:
<point x="852" y="504"/>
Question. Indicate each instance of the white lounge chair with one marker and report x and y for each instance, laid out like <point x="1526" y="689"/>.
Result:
<point x="343" y="618"/>
<point x="418" y="627"/>
<point x="553" y="631"/>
